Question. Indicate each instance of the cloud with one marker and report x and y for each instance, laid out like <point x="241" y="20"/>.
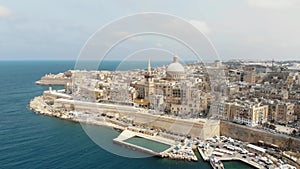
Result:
<point x="121" y="34"/>
<point x="4" y="12"/>
<point x="272" y="4"/>
<point x="201" y="25"/>
<point x="158" y="44"/>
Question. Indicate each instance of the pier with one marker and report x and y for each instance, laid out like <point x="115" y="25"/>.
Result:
<point x="206" y="156"/>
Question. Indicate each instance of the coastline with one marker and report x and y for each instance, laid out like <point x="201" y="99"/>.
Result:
<point x="38" y="106"/>
<point x="35" y="103"/>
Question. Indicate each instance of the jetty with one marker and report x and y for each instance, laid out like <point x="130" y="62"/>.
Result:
<point x="207" y="155"/>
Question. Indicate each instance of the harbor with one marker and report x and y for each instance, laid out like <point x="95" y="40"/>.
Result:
<point x="179" y="148"/>
<point x="222" y="149"/>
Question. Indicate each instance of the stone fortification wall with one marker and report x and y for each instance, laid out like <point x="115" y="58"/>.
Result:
<point x="253" y="135"/>
<point x="201" y="128"/>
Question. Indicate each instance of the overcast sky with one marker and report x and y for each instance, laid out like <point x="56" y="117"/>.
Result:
<point x="239" y="29"/>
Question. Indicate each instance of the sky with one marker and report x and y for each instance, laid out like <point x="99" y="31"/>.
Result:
<point x="238" y="29"/>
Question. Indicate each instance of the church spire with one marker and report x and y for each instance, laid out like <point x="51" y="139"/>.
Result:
<point x="149" y="66"/>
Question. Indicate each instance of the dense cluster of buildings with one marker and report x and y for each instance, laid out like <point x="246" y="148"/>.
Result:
<point x="255" y="93"/>
<point x="169" y="89"/>
<point x="259" y="94"/>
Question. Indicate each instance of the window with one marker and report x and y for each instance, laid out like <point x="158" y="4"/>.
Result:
<point x="176" y="92"/>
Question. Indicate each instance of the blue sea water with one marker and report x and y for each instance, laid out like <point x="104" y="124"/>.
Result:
<point x="29" y="140"/>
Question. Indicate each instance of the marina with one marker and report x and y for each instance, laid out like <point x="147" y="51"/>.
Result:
<point x="227" y="149"/>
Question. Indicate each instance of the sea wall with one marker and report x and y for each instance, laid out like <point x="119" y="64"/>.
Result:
<point x="196" y="128"/>
<point x="201" y="128"/>
<point x="253" y="135"/>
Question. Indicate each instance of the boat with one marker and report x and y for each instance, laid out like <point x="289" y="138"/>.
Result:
<point x="216" y="163"/>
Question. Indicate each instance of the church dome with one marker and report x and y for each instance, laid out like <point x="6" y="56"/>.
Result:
<point x="175" y="66"/>
<point x="175" y="71"/>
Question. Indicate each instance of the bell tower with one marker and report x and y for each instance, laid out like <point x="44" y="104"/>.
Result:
<point x="149" y="85"/>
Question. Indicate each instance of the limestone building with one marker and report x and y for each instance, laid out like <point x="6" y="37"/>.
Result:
<point x="244" y="112"/>
<point x="172" y="93"/>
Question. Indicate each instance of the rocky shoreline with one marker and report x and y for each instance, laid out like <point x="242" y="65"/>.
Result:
<point x="39" y="106"/>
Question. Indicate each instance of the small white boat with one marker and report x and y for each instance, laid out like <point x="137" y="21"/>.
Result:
<point x="216" y="163"/>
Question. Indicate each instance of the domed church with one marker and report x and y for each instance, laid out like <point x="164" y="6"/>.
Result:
<point x="175" y="71"/>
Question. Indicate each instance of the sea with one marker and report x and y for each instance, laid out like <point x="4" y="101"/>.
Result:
<point x="30" y="140"/>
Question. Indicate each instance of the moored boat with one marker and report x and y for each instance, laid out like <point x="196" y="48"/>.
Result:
<point x="216" y="163"/>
